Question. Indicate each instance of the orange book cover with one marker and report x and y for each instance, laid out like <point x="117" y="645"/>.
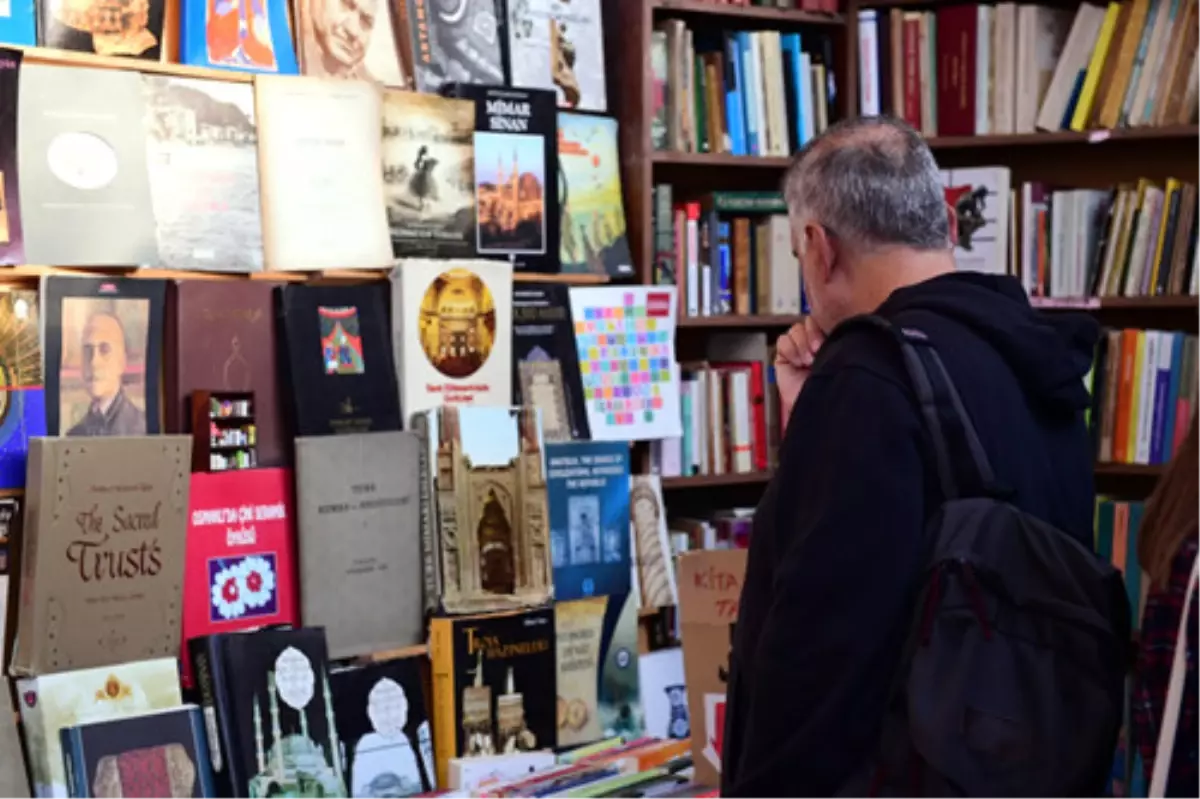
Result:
<point x="1122" y="415"/>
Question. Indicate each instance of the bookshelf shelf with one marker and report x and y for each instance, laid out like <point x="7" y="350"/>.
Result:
<point x="1139" y="470"/>
<point x="775" y="15"/>
<point x="728" y="321"/>
<point x="1169" y="132"/>
<point x="26" y="273"/>
<point x="1178" y="302"/>
<point x="714" y="480"/>
<point x="668" y="158"/>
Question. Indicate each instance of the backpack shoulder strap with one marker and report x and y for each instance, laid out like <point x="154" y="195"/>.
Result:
<point x="963" y="467"/>
<point x="1165" y="749"/>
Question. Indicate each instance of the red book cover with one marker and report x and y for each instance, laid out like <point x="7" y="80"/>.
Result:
<point x="241" y="562"/>
<point x="957" y="28"/>
<point x="758" y="409"/>
<point x="912" y="71"/>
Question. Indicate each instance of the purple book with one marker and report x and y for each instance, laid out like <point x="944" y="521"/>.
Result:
<point x="12" y="243"/>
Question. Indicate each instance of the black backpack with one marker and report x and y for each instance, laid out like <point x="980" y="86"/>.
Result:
<point x="1011" y="682"/>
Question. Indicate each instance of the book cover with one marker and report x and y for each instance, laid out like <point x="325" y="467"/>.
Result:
<point x="22" y="396"/>
<point x="326" y="215"/>
<point x="980" y="201"/>
<point x="597" y="645"/>
<point x="275" y="711"/>
<point x="101" y="341"/>
<point x="545" y="361"/>
<point x="663" y="693"/>
<point x="592" y="227"/>
<point x="493" y="685"/>
<point x="103" y="551"/>
<point x="82" y="160"/>
<point x="201" y="142"/>
<point x="12" y="246"/>
<point x="516" y="131"/>
<point x="459" y="41"/>
<point x="360" y="540"/>
<point x="383" y="724"/>
<point x="450" y="332"/>
<point x="221" y="336"/>
<point x="18" y="25"/>
<point x="485" y="475"/>
<point x="94" y="26"/>
<point x="428" y="167"/>
<point x="14" y="780"/>
<point x="338" y="360"/>
<point x="559" y="45"/>
<point x="352" y="40"/>
<point x="162" y="753"/>
<point x="244" y="37"/>
<point x="241" y="558"/>
<point x="588" y="486"/>
<point x="54" y="702"/>
<point x="656" y="572"/>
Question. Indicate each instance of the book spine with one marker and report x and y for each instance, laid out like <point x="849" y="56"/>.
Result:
<point x="200" y="737"/>
<point x="74" y="764"/>
<point x="430" y="560"/>
<point x="210" y="681"/>
<point x="868" y="64"/>
<point x="1144" y="407"/>
<point x="912" y="70"/>
<point x="733" y="97"/>
<point x="445" y="709"/>
<point x="956" y="55"/>
<point x="1172" y="400"/>
<point x="1162" y="388"/>
<point x="724" y="259"/>
<point x="664" y="238"/>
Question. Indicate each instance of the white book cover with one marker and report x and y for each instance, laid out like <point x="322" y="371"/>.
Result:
<point x="664" y="693"/>
<point x="452" y="332"/>
<point x="1145" y="409"/>
<point x="559" y="45"/>
<point x="472" y="774"/>
<point x="984" y="74"/>
<point x="742" y="446"/>
<point x="625" y="338"/>
<point x="979" y="198"/>
<point x="321" y="181"/>
<point x="1004" y="55"/>
<point x="1085" y="30"/>
<point x="868" y="69"/>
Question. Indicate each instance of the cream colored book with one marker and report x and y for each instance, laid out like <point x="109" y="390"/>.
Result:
<point x="320" y="177"/>
<point x="452" y="332"/>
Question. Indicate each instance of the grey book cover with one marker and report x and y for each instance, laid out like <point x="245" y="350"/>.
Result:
<point x="359" y="521"/>
<point x="82" y="161"/>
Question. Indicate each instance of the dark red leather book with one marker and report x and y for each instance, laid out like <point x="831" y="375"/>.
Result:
<point x="912" y="71"/>
<point x="957" y="29"/>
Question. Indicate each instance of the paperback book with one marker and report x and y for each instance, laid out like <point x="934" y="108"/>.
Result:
<point x="245" y="37"/>
<point x="451" y="42"/>
<point x="559" y="45"/>
<point x="545" y="362"/>
<point x="12" y="240"/>
<point x="92" y="26"/>
<point x="22" y="396"/>
<point x="592" y="226"/>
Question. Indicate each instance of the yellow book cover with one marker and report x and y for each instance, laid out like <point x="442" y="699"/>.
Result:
<point x="1087" y="94"/>
<point x="1135" y="399"/>
<point x="1128" y="39"/>
<point x="1173" y="188"/>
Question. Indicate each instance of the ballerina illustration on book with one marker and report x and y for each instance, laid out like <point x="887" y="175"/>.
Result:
<point x="237" y="32"/>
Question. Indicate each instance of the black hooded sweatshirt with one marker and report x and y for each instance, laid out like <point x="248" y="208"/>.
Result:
<point x="835" y="552"/>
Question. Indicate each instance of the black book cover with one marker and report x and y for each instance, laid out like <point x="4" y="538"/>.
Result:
<point x="384" y="728"/>
<point x="339" y="366"/>
<point x="277" y="702"/>
<point x="453" y="40"/>
<point x="93" y="26"/>
<point x="516" y="172"/>
<point x="102" y="345"/>
<point x="12" y="243"/>
<point x="545" y="361"/>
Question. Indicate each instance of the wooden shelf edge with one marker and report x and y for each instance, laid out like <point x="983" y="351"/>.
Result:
<point x="673" y="158"/>
<point x="27" y="272"/>
<point x="1129" y="470"/>
<point x="714" y="480"/>
<point x="1174" y="302"/>
<point x="710" y="8"/>
<point x="71" y="58"/>
<point x="732" y="321"/>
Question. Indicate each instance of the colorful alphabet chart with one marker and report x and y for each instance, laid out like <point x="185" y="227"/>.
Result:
<point x="625" y="336"/>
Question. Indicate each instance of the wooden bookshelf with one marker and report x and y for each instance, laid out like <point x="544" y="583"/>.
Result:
<point x="714" y="480"/>
<point x="71" y="58"/>
<point x="737" y="321"/>
<point x="732" y="13"/>
<point x="1139" y="470"/>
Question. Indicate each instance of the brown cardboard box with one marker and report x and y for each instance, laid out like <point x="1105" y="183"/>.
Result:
<point x="710" y="586"/>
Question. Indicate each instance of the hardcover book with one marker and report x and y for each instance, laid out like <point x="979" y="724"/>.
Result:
<point x="516" y="134"/>
<point x="270" y="714"/>
<point x="103" y="552"/>
<point x="355" y="41"/>
<point x="493" y="685"/>
<point x="22" y="396"/>
<point x="83" y="168"/>
<point x="980" y="200"/>
<point x="245" y="37"/>
<point x="241" y="559"/>
<point x="94" y="26"/>
<point x="450" y="332"/>
<point x="101" y="339"/>
<point x="201" y="146"/>
<point x="12" y="247"/>
<point x="545" y="361"/>
<point x="597" y="654"/>
<point x="484" y="475"/>
<point x="456" y="41"/>
<point x="592" y="228"/>
<point x="54" y="702"/>
<point x="428" y="166"/>
<point x="162" y="753"/>
<point x="18" y="25"/>
<point x="360" y="540"/>
<point x="588" y="486"/>
<point x="221" y="336"/>
<point x="338" y="362"/>
<point x="559" y="45"/>
<point x="326" y="215"/>
<point x="384" y="726"/>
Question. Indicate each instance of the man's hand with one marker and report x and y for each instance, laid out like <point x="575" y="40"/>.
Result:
<point x="794" y="354"/>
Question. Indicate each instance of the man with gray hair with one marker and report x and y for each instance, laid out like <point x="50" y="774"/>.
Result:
<point x="836" y="552"/>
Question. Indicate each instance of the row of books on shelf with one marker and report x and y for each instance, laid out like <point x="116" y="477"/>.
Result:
<point x="729" y="252"/>
<point x="1144" y="386"/>
<point x="1116" y="540"/>
<point x="984" y="69"/>
<point x="753" y="93"/>
<point x="197" y="174"/>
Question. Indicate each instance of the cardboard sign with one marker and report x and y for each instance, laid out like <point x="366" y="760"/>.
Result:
<point x="710" y="586"/>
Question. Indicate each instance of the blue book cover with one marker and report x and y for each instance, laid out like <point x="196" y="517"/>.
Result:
<point x="1168" y="441"/>
<point x="1133" y="571"/>
<point x="748" y="94"/>
<point x="734" y="92"/>
<point x="164" y="753"/>
<point x="22" y="396"/>
<point x="800" y="79"/>
<point x="18" y="22"/>
<point x="587" y="484"/>
<point x="725" y="277"/>
<point x="242" y="36"/>
<point x="1162" y="387"/>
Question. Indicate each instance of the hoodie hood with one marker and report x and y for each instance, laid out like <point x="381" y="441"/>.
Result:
<point x="1050" y="355"/>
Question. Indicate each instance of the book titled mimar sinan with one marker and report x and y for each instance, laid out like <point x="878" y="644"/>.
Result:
<point x="102" y="565"/>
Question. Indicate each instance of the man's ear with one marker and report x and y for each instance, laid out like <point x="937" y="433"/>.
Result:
<point x="820" y="251"/>
<point x="952" y="218"/>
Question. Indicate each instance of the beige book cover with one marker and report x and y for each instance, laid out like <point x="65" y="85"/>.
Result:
<point x="452" y="333"/>
<point x="351" y="40"/>
<point x="319" y="171"/>
<point x="12" y="764"/>
<point x="103" y="552"/>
